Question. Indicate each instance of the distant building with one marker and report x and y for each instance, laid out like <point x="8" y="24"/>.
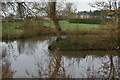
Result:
<point x="90" y="15"/>
<point x="84" y="15"/>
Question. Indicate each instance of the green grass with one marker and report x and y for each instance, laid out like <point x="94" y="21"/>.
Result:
<point x="73" y="26"/>
<point x="25" y="29"/>
<point x="10" y="26"/>
<point x="10" y="30"/>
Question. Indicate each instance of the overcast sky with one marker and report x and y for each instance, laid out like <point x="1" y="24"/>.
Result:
<point x="83" y="6"/>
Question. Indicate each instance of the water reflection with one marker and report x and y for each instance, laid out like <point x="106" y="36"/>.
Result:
<point x="32" y="59"/>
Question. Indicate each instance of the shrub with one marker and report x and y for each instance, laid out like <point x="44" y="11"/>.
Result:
<point x="33" y="28"/>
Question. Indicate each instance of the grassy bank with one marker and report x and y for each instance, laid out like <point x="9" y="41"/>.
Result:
<point x="26" y="29"/>
<point x="16" y="30"/>
<point x="10" y="30"/>
<point x="82" y="43"/>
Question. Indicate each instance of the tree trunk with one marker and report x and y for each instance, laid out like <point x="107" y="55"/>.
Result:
<point x="53" y="16"/>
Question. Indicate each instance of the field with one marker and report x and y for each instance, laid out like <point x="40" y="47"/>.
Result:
<point x="64" y="25"/>
<point x="73" y="26"/>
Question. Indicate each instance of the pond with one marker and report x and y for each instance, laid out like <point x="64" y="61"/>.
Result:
<point x="32" y="59"/>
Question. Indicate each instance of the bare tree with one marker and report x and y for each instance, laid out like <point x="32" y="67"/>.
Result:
<point x="21" y="9"/>
<point x="6" y="7"/>
<point x="55" y="11"/>
<point x="50" y="9"/>
<point x="108" y="4"/>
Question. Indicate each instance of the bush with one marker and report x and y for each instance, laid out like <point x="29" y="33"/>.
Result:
<point x="86" y="21"/>
<point x="34" y="28"/>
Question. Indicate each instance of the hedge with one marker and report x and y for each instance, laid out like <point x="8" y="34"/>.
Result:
<point x="86" y="21"/>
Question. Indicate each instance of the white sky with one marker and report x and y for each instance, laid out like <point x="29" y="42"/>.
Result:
<point x="83" y="6"/>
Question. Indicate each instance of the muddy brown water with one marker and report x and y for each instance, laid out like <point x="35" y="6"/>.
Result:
<point x="32" y="59"/>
